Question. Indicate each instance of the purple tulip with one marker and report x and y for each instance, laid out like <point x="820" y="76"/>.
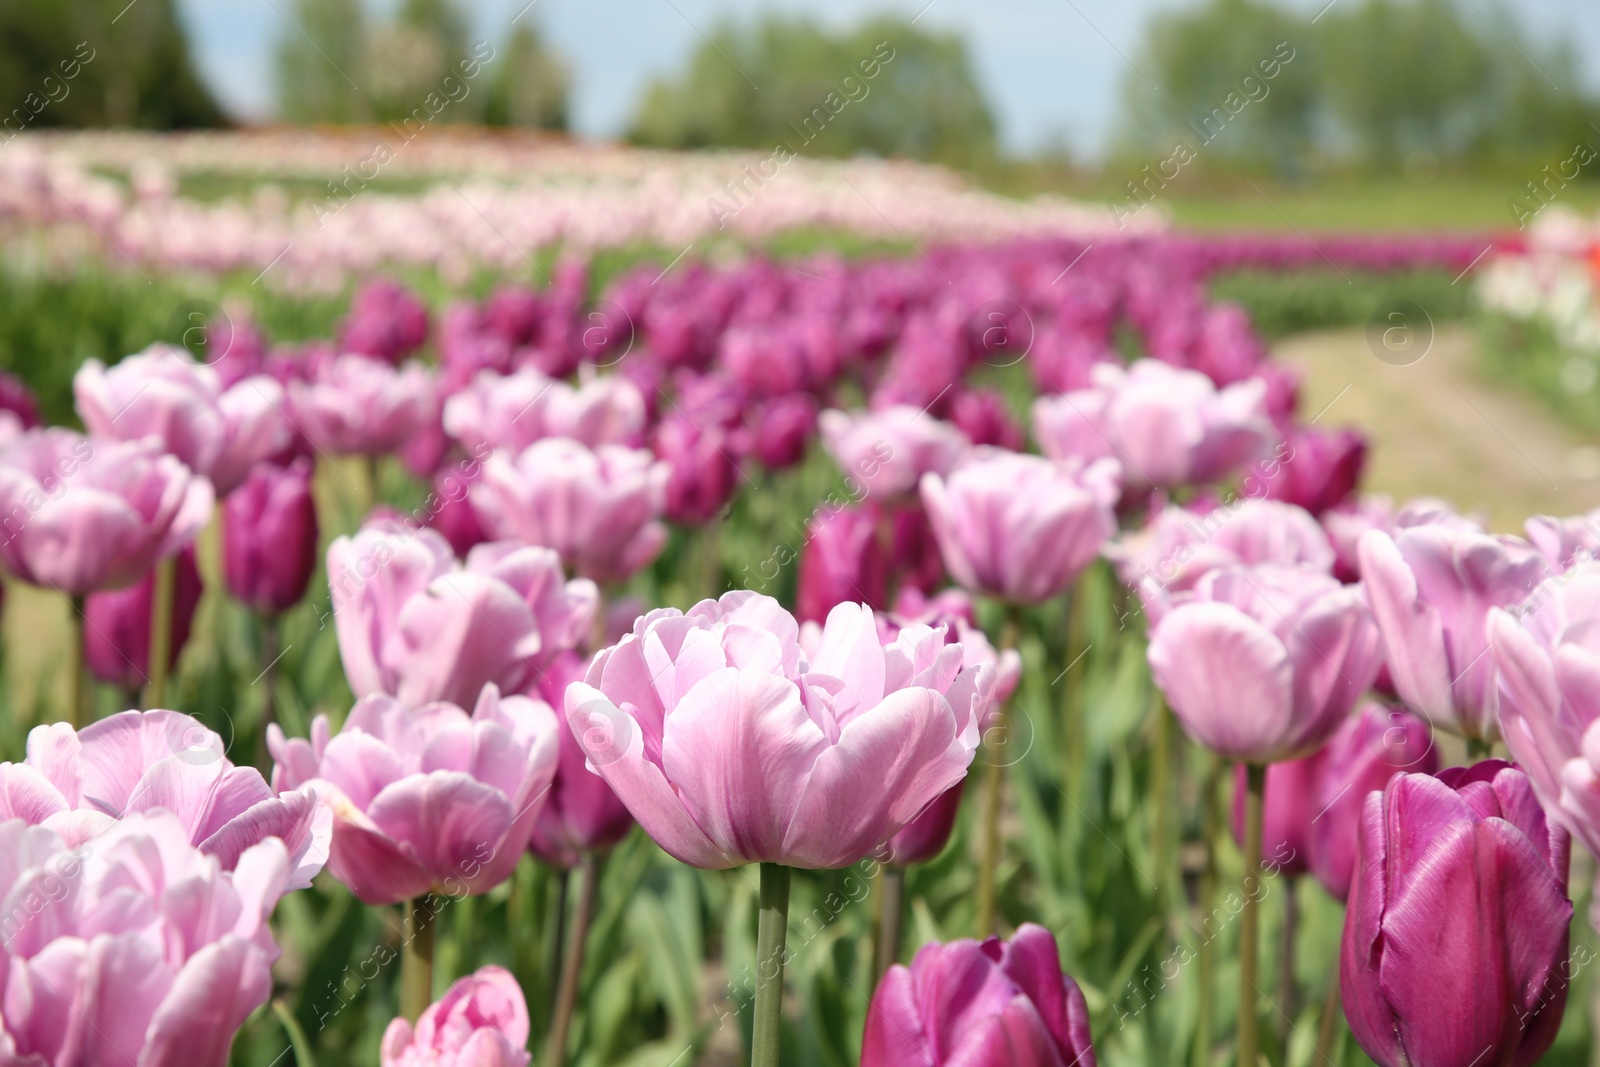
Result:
<point x="1548" y="658"/>
<point x="598" y="508"/>
<point x="980" y="1004"/>
<point x="1566" y="542"/>
<point x="1021" y="527"/>
<point x="269" y="537"/>
<point x="1321" y="468"/>
<point x="730" y="745"/>
<point x="78" y="784"/>
<point x="1431" y="588"/>
<point x="18" y="400"/>
<point x="411" y="623"/>
<point x="236" y="347"/>
<point x="781" y="428"/>
<point x="1455" y="939"/>
<point x="481" y="1022"/>
<point x="1261" y="664"/>
<point x="1168" y="427"/>
<point x="386" y="322"/>
<point x="1371" y="747"/>
<point x="425" y="799"/>
<point x="582" y="814"/>
<point x="116" y="624"/>
<point x="163" y="393"/>
<point x="1179" y="546"/>
<point x="1287" y="808"/>
<point x="361" y="406"/>
<point x="82" y="515"/>
<point x="887" y="452"/>
<point x="982" y="415"/>
<point x="915" y="559"/>
<point x="842" y="562"/>
<point x="137" y="950"/>
<point x="451" y="512"/>
<point x="704" y="466"/>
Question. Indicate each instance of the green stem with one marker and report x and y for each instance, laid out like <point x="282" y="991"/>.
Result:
<point x="1286" y="992"/>
<point x="994" y="778"/>
<point x="297" y="1035"/>
<point x="572" y="964"/>
<point x="1161" y="807"/>
<point x="558" y="938"/>
<point x="161" y="631"/>
<point x="1478" y="749"/>
<point x="1330" y="1016"/>
<point x="1210" y="829"/>
<point x="771" y="934"/>
<point x="891" y="916"/>
<point x="416" y="960"/>
<point x="1073" y="737"/>
<point x="269" y="682"/>
<point x="1250" y="917"/>
<point x="77" y="685"/>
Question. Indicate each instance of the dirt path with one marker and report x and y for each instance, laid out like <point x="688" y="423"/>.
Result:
<point x="1439" y="429"/>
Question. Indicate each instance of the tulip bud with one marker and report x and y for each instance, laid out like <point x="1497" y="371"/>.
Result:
<point x="481" y="1022"/>
<point x="116" y="625"/>
<point x="988" y="1004"/>
<point x="1455" y="940"/>
<point x="269" y="537"/>
<point x="704" y="469"/>
<point x="581" y="814"/>
<point x="842" y="562"/>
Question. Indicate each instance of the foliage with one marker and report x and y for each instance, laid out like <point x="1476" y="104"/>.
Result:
<point x="108" y="63"/>
<point x="1280" y="303"/>
<point x="886" y="87"/>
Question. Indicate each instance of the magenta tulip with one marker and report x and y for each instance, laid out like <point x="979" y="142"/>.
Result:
<point x="269" y="537"/>
<point x="79" y="783"/>
<point x="972" y="1004"/>
<point x="163" y="393"/>
<point x="1455" y="940"/>
<point x="481" y="1022"/>
<point x="781" y="428"/>
<point x="1371" y="747"/>
<point x="730" y="745"/>
<point x="413" y="624"/>
<point x="1319" y="468"/>
<point x="886" y="452"/>
<point x="983" y="417"/>
<point x="386" y="322"/>
<point x="1547" y="652"/>
<point x="582" y="814"/>
<point x="116" y="625"/>
<point x="1020" y="527"/>
<point x="1261" y="664"/>
<point x="425" y="799"/>
<point x="843" y="561"/>
<point x="139" y="949"/>
<point x="598" y="508"/>
<point x="360" y="406"/>
<point x="704" y="468"/>
<point x="1287" y="808"/>
<point x="1431" y="589"/>
<point x="1168" y="427"/>
<point x="82" y="515"/>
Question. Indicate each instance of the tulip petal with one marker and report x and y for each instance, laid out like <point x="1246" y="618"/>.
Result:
<point x="450" y="822"/>
<point x="1228" y="679"/>
<point x="214" y="993"/>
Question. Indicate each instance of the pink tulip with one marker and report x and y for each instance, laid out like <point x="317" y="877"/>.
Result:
<point x="1167" y="427"/>
<point x="1566" y="542"/>
<point x="887" y="452"/>
<point x="1320" y="469"/>
<point x="980" y="1004"/>
<point x="842" y="562"/>
<point x="425" y="799"/>
<point x="730" y="745"/>
<point x="163" y="393"/>
<point x="1455" y="939"/>
<point x="269" y="537"/>
<point x="582" y="814"/>
<point x="139" y="949"/>
<point x="1179" y="546"/>
<point x="481" y="1022"/>
<point x="598" y="508"/>
<point x="360" y="406"/>
<point x="413" y="624"/>
<point x="1547" y="658"/>
<point x="1287" y="808"/>
<point x="1020" y="527"/>
<point x="81" y="515"/>
<point x="1346" y="524"/>
<point x="513" y="411"/>
<point x="1371" y="747"/>
<point x="78" y="784"/>
<point x="1431" y="589"/>
<point x="116" y="625"/>
<point x="1261" y="664"/>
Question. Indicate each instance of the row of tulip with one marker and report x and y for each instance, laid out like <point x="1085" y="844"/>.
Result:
<point x="1553" y="278"/>
<point x="739" y="732"/>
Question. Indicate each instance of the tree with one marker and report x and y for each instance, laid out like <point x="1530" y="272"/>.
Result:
<point x="888" y="87"/>
<point x="531" y="86"/>
<point x="319" y="58"/>
<point x="130" y="66"/>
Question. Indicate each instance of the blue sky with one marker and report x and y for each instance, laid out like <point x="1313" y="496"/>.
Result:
<point x="1051" y="68"/>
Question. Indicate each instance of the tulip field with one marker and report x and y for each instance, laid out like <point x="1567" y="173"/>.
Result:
<point x="481" y="633"/>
